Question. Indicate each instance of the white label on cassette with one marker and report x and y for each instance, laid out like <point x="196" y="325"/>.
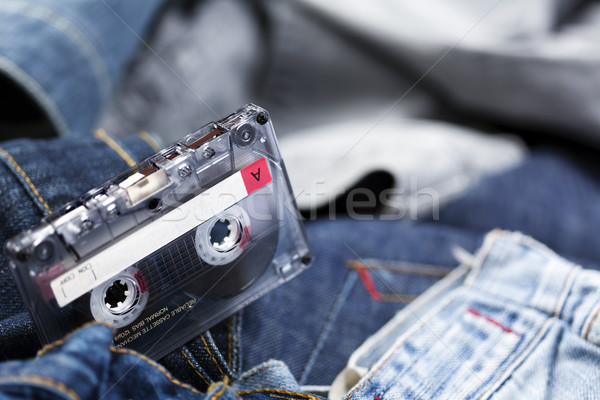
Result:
<point x="152" y="237"/>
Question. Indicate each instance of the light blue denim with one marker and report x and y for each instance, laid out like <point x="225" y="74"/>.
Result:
<point x="515" y="322"/>
<point x="69" y="54"/>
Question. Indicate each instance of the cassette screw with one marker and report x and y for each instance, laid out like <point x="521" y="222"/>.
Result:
<point x="22" y="256"/>
<point x="154" y="205"/>
<point x="246" y="136"/>
<point x="44" y="251"/>
<point x="86" y="224"/>
<point x="184" y="171"/>
<point x="112" y="212"/>
<point x="208" y="152"/>
<point x="262" y="118"/>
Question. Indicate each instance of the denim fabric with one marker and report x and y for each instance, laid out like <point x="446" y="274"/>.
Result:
<point x="332" y="293"/>
<point x="553" y="196"/>
<point x="85" y="365"/>
<point x="328" y="311"/>
<point x="519" y="322"/>
<point x="86" y="46"/>
<point x="36" y="177"/>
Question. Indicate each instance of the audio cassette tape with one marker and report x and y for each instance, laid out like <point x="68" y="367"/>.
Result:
<point x="170" y="247"/>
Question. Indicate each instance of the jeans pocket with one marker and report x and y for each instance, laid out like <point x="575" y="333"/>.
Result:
<point x="399" y="282"/>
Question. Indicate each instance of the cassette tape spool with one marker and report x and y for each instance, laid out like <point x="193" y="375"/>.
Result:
<point x="173" y="245"/>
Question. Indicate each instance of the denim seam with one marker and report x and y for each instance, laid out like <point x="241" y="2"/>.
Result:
<point x="328" y="326"/>
<point x="44" y="381"/>
<point x="212" y="356"/>
<point x="115" y="146"/>
<point x="269" y="365"/>
<point x="401" y="316"/>
<point x="31" y="86"/>
<point x="560" y="302"/>
<point x="591" y="321"/>
<point x="364" y="273"/>
<point x="303" y="395"/>
<point x="30" y="186"/>
<point x="75" y="35"/>
<point x="255" y="372"/>
<point x="60" y="342"/>
<point x="564" y="294"/>
<point x="221" y="391"/>
<point x="405" y="268"/>
<point x="157" y="366"/>
<point x="519" y="360"/>
<point x="397" y="346"/>
<point x="151" y="140"/>
<point x="194" y="367"/>
<point x="230" y="342"/>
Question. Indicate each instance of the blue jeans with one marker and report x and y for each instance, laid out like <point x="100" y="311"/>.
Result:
<point x="365" y="272"/>
<point x="69" y="55"/>
<point x="497" y="327"/>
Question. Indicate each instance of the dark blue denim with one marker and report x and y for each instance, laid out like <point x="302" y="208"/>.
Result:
<point x="364" y="272"/>
<point x="35" y="177"/>
<point x="328" y="311"/>
<point x="69" y="55"/>
<point x="553" y="197"/>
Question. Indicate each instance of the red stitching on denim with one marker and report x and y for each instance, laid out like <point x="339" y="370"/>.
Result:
<point x="365" y="276"/>
<point x="375" y="294"/>
<point x="504" y="328"/>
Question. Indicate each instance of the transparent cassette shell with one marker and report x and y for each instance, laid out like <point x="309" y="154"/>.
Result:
<point x="171" y="246"/>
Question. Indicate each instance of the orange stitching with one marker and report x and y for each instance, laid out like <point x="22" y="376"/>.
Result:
<point x="194" y="367"/>
<point x="398" y="298"/>
<point x="146" y="137"/>
<point x="303" y="395"/>
<point x="42" y="380"/>
<point x="112" y="143"/>
<point x="229" y="341"/>
<point x="60" y="342"/>
<point x="18" y="168"/>
<point x="587" y="331"/>
<point x="402" y="269"/>
<point x="155" y="365"/>
<point x="211" y="355"/>
<point x="221" y="391"/>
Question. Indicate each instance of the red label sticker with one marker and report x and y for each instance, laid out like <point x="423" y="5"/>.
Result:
<point x="256" y="175"/>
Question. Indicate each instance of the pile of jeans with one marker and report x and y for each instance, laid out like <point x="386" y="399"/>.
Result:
<point x="442" y="154"/>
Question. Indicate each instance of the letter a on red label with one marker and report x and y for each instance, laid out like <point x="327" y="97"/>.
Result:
<point x="256" y="175"/>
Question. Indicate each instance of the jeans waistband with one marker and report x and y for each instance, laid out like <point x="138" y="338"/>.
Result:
<point x="472" y="330"/>
<point x="539" y="279"/>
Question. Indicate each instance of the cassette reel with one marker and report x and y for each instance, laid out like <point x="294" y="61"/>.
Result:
<point x="171" y="246"/>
